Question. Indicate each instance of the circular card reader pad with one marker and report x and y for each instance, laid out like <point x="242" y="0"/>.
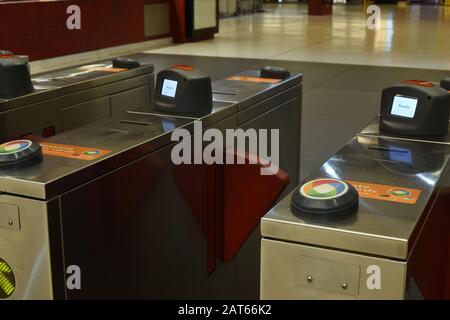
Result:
<point x="19" y="153"/>
<point x="326" y="197"/>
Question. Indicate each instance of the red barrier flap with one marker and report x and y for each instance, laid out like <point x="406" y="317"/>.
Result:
<point x="247" y="197"/>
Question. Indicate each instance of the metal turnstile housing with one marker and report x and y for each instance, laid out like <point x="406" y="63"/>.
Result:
<point x="137" y="225"/>
<point x="405" y="244"/>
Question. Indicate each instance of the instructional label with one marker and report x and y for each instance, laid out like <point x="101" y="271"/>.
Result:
<point x="72" y="152"/>
<point x="254" y="79"/>
<point x="386" y="193"/>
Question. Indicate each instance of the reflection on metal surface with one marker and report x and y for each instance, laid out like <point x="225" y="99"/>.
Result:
<point x="357" y="161"/>
<point x="137" y="202"/>
<point x="406" y="237"/>
<point x="428" y="178"/>
<point x="330" y="171"/>
<point x="373" y="129"/>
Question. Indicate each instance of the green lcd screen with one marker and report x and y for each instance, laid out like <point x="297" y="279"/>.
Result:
<point x="7" y="280"/>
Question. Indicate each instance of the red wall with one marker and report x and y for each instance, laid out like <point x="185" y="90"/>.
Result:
<point x="38" y="29"/>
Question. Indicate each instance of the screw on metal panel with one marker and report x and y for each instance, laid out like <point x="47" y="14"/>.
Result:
<point x="344" y="286"/>
<point x="10" y="222"/>
<point x="309" y="279"/>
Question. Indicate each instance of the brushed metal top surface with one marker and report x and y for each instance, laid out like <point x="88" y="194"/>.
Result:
<point x="379" y="227"/>
<point x="373" y="129"/>
<point x="127" y="136"/>
<point x="248" y="93"/>
<point x="230" y="97"/>
<point x="58" y="83"/>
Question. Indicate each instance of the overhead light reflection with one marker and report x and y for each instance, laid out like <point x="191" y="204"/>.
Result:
<point x="330" y="171"/>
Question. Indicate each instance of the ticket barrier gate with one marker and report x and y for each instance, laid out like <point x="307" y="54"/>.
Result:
<point x="394" y="243"/>
<point x="106" y="213"/>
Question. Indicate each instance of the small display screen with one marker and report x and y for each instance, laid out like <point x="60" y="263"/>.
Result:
<point x="404" y="106"/>
<point x="169" y="88"/>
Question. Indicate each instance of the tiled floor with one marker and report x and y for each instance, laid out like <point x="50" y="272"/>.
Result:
<point x="342" y="92"/>
<point x="414" y="35"/>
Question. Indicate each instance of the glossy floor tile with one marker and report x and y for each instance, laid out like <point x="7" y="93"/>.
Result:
<point x="413" y="35"/>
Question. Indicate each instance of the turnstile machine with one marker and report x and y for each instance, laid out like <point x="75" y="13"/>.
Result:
<point x="394" y="244"/>
<point x="66" y="99"/>
<point x="106" y="214"/>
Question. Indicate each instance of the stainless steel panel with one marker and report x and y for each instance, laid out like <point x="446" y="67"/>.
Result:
<point x="220" y="111"/>
<point x="114" y="219"/>
<point x="67" y="88"/>
<point x="373" y="129"/>
<point x="287" y="118"/>
<point x="74" y="81"/>
<point x="64" y="82"/>
<point x="9" y="216"/>
<point x="32" y="119"/>
<point x="105" y="90"/>
<point x="27" y="250"/>
<point x="379" y="227"/>
<point x="284" y="117"/>
<point x="81" y="114"/>
<point x="161" y="215"/>
<point x="139" y="241"/>
<point x="40" y="94"/>
<point x="46" y="180"/>
<point x="128" y="136"/>
<point x="342" y="278"/>
<point x="249" y="93"/>
<point x="282" y="263"/>
<point x="269" y="104"/>
<point x="67" y="81"/>
<point x="131" y="99"/>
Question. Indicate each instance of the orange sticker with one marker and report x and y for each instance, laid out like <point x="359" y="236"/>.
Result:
<point x="184" y="67"/>
<point x="72" y="152"/>
<point x="386" y="193"/>
<point x="112" y="70"/>
<point x="254" y="79"/>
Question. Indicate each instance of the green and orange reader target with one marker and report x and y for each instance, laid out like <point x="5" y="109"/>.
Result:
<point x="325" y="197"/>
